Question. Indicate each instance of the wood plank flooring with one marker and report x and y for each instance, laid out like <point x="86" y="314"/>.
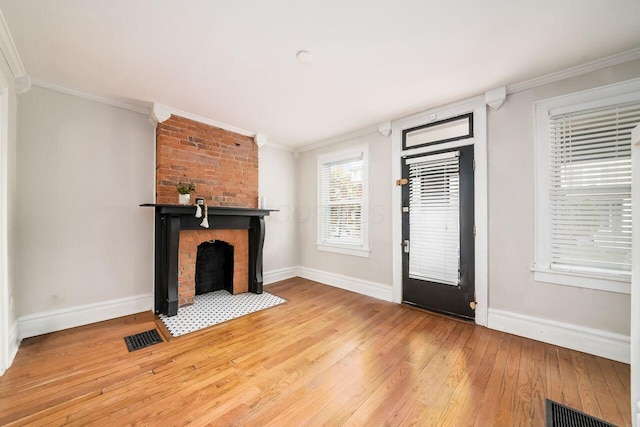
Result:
<point x="326" y="357"/>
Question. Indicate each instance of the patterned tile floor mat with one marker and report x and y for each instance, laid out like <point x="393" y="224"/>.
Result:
<point x="217" y="307"/>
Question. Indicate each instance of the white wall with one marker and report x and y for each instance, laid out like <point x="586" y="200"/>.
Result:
<point x="83" y="169"/>
<point x="277" y="182"/>
<point x="377" y="269"/>
<point x="511" y="217"/>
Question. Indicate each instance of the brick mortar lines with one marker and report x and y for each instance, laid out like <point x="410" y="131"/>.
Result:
<point x="224" y="167"/>
<point x="222" y="164"/>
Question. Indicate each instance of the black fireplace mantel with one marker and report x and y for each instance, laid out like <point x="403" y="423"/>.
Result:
<point x="170" y="219"/>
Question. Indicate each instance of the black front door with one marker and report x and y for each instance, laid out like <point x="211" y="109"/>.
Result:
<point x="438" y="232"/>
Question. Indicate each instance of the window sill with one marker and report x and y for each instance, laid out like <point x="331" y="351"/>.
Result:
<point x="344" y="249"/>
<point x="581" y="280"/>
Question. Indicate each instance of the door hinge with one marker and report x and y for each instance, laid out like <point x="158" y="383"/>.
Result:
<point x="474" y="231"/>
<point x="405" y="245"/>
<point x="473" y="305"/>
<point x="403" y="181"/>
<point x="474" y="164"/>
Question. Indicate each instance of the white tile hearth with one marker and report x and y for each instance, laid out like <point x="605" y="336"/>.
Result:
<point x="217" y="307"/>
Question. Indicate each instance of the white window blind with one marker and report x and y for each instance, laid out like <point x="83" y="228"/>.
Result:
<point x="341" y="201"/>
<point x="590" y="189"/>
<point x="434" y="218"/>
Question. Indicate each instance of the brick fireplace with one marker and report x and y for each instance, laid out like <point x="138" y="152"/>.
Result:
<point x="224" y="167"/>
<point x="188" y="250"/>
<point x="222" y="164"/>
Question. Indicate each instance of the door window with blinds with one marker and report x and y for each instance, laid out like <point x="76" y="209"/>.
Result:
<point x="343" y="202"/>
<point x="434" y="217"/>
<point x="584" y="188"/>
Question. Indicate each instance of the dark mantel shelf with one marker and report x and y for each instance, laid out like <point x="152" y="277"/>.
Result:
<point x="170" y="219"/>
<point x="213" y="210"/>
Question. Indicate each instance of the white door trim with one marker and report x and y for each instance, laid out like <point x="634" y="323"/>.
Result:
<point x="5" y="335"/>
<point x="478" y="107"/>
<point x="635" y="279"/>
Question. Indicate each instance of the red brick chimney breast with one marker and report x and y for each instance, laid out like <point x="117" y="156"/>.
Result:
<point x="224" y="167"/>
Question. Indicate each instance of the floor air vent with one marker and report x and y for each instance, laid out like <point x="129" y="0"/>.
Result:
<point x="562" y="416"/>
<point x="142" y="340"/>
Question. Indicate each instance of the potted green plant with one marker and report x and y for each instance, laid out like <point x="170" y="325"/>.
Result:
<point x="184" y="190"/>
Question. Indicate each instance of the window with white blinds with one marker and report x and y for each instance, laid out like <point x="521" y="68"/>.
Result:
<point x="342" y="201"/>
<point x="434" y="218"/>
<point x="590" y="189"/>
<point x="583" y="187"/>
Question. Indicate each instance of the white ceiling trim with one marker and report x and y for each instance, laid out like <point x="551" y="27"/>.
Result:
<point x="260" y="140"/>
<point x="161" y="110"/>
<point x="89" y="96"/>
<point x="8" y="48"/>
<point x="494" y="98"/>
<point x="340" y="138"/>
<point x="280" y="147"/>
<point x="598" y="64"/>
<point x="23" y="83"/>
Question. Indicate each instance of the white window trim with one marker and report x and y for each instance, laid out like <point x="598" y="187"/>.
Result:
<point x="593" y="98"/>
<point x="341" y="248"/>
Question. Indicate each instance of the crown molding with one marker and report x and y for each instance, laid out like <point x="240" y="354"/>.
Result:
<point x="260" y="140"/>
<point x="23" y="84"/>
<point x="159" y="113"/>
<point x="8" y="48"/>
<point x="384" y="129"/>
<point x="598" y="64"/>
<point x="280" y="147"/>
<point x="340" y="138"/>
<point x="494" y="98"/>
<point x="91" y="97"/>
<point x="174" y="111"/>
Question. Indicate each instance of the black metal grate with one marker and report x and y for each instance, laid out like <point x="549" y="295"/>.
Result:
<point x="142" y="340"/>
<point x="559" y="415"/>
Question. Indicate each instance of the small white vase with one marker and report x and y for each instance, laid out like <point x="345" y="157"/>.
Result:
<point x="184" y="199"/>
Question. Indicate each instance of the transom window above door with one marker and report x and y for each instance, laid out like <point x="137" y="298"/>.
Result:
<point x="450" y="129"/>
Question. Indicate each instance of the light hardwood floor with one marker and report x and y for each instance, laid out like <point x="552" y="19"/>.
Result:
<point x="326" y="357"/>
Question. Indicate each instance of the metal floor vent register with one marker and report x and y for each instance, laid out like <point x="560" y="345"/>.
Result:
<point x="559" y="415"/>
<point x="142" y="340"/>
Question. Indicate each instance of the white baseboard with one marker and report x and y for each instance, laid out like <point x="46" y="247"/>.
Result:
<point x="364" y="287"/>
<point x="43" y="323"/>
<point x="14" y="341"/>
<point x="273" y="276"/>
<point x="593" y="341"/>
<point x="13" y="344"/>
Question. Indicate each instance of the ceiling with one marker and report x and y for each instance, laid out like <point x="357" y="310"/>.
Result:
<point x="235" y="61"/>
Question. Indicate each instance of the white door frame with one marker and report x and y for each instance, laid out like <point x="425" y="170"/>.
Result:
<point x="5" y="336"/>
<point x="635" y="279"/>
<point x="478" y="107"/>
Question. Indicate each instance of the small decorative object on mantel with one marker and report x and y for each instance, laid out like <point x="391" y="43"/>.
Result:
<point x="205" y="220"/>
<point x="185" y="190"/>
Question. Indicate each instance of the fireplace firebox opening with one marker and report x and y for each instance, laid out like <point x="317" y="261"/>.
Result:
<point x="214" y="267"/>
